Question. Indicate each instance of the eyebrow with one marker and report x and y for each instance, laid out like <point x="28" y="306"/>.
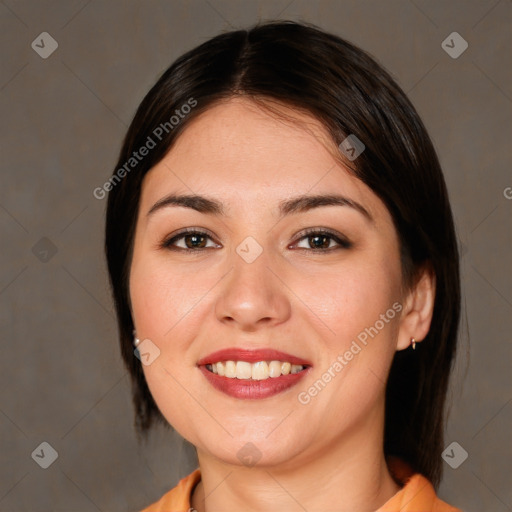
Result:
<point x="297" y="204"/>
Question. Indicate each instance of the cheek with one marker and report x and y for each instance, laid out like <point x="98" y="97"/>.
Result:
<point x="163" y="302"/>
<point x="362" y="307"/>
<point x="354" y="298"/>
<point x="162" y="295"/>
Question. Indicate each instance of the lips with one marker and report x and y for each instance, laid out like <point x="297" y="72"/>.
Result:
<point x="248" y="388"/>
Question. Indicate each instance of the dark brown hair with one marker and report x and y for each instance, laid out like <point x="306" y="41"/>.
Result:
<point x="305" y="68"/>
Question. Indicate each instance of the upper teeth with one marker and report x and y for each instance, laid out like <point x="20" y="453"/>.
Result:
<point x="256" y="371"/>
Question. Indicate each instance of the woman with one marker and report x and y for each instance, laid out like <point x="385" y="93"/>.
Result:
<point x="279" y="241"/>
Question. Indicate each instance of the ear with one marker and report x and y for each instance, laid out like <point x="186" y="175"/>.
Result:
<point x="418" y="309"/>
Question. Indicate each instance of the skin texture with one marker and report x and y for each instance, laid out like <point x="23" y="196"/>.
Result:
<point x="327" y="454"/>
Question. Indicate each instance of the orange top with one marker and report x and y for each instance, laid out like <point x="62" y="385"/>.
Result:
<point x="416" y="495"/>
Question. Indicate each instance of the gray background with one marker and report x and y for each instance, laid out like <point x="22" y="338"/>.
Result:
<point x="63" y="119"/>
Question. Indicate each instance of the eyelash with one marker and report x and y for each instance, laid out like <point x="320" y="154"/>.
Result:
<point x="343" y="243"/>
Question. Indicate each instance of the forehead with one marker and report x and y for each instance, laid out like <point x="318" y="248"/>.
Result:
<point x="241" y="132"/>
<point x="238" y="151"/>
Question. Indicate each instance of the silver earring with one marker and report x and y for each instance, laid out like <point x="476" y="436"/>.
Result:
<point x="413" y="341"/>
<point x="136" y="340"/>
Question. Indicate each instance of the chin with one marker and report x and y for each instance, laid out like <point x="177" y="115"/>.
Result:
<point x="250" y="451"/>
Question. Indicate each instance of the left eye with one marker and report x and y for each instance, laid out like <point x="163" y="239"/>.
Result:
<point x="321" y="240"/>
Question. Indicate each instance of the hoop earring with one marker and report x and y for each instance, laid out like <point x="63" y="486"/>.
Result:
<point x="413" y="341"/>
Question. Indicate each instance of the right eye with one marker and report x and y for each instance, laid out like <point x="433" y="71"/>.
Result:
<point x="193" y="240"/>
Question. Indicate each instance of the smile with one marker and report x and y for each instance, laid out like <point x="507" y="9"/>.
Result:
<point x="260" y="370"/>
<point x="252" y="374"/>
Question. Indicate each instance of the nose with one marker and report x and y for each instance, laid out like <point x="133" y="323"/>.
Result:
<point x="253" y="295"/>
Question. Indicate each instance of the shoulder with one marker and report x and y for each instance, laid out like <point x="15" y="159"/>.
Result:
<point x="178" y="498"/>
<point x="417" y="493"/>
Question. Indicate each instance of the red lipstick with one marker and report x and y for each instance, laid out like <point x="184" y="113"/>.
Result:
<point x="248" y="388"/>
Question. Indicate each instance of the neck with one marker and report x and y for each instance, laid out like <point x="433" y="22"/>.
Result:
<point x="350" y="475"/>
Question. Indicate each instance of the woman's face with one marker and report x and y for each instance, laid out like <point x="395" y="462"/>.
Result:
<point x="260" y="277"/>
